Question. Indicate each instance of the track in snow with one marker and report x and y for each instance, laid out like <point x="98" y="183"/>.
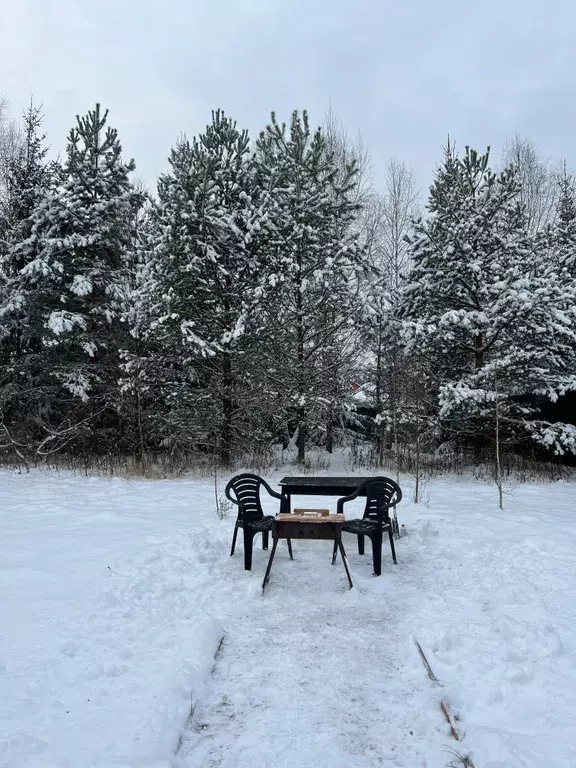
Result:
<point x="315" y="675"/>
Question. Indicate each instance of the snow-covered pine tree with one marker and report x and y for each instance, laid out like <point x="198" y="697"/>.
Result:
<point x="142" y="367"/>
<point x="204" y="281"/>
<point x="483" y="302"/>
<point x="75" y="256"/>
<point x="28" y="177"/>
<point x="315" y="251"/>
<point x="564" y="230"/>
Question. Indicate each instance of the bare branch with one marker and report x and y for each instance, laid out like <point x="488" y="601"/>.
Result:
<point x="537" y="178"/>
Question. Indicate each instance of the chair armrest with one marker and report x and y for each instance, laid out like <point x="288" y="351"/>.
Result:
<point x="275" y="494"/>
<point x="280" y="496"/>
<point x="351" y="497"/>
<point x="229" y="495"/>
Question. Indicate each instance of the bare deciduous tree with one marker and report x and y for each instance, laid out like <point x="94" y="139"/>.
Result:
<point x="538" y="182"/>
<point x="388" y="218"/>
<point x="9" y="143"/>
<point x="347" y="151"/>
<point x="399" y="206"/>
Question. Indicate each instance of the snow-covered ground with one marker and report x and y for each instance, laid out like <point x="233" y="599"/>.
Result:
<point x="114" y="595"/>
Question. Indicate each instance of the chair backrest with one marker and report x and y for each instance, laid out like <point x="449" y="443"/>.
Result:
<point x="244" y="491"/>
<point x="381" y="494"/>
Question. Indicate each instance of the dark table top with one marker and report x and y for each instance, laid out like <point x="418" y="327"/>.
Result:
<point x="314" y="481"/>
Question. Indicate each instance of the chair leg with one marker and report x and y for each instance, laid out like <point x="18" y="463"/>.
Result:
<point x="234" y="540"/>
<point x="360" y="544"/>
<point x="335" y="552"/>
<point x="376" y="539"/>
<point x="265" y="539"/>
<point x="289" y="543"/>
<point x="392" y="547"/>
<point x="248" y="542"/>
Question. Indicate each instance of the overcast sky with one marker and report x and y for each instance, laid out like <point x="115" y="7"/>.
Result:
<point x="405" y="73"/>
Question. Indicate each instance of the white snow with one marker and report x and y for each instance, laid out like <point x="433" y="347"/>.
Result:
<point x="63" y="321"/>
<point x="115" y="594"/>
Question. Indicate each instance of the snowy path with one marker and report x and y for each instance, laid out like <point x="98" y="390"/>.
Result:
<point x="314" y="675"/>
<point x="114" y="594"/>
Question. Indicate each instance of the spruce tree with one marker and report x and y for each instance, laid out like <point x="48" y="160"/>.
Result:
<point x="205" y="280"/>
<point x="28" y="179"/>
<point x="316" y="258"/>
<point x="73" y="269"/>
<point x="27" y="176"/>
<point x="141" y="366"/>
<point x="486" y="308"/>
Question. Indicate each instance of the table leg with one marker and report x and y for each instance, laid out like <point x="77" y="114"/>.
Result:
<point x="338" y="539"/>
<point x="269" y="567"/>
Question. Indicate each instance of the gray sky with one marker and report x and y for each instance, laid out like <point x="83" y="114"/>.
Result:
<point x="402" y="72"/>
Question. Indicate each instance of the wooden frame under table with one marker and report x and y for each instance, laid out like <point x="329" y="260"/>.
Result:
<point x="311" y="485"/>
<point x="291" y="526"/>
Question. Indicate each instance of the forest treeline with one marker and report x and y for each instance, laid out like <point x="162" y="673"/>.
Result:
<point x="268" y="293"/>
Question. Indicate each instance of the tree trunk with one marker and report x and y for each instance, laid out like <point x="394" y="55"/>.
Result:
<point x="498" y="466"/>
<point x="380" y="427"/>
<point x="417" y="469"/>
<point x="394" y="409"/>
<point x="395" y="439"/>
<point x="381" y="443"/>
<point x="330" y="430"/>
<point x="140" y="430"/>
<point x="479" y="351"/>
<point x="227" y="410"/>
<point x="301" y="411"/>
<point x="301" y="435"/>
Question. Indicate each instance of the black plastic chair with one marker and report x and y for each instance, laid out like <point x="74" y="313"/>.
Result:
<point x="244" y="491"/>
<point x="381" y="493"/>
